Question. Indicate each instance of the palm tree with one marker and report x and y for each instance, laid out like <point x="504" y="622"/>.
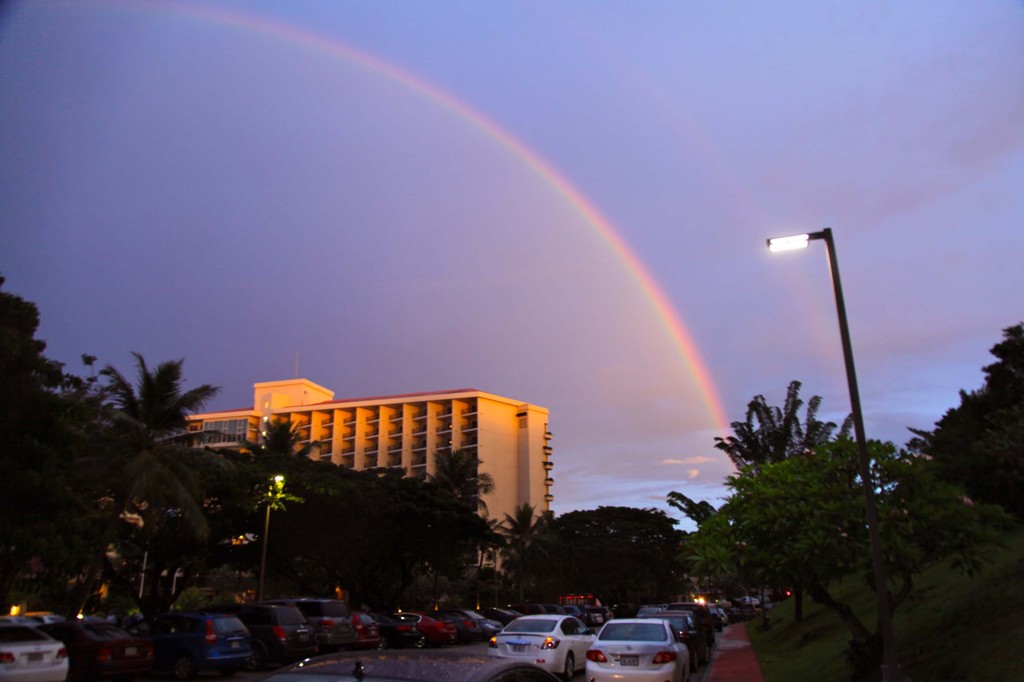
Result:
<point x="281" y="437"/>
<point x="772" y="434"/>
<point x="458" y="472"/>
<point x="523" y="531"/>
<point x="149" y="465"/>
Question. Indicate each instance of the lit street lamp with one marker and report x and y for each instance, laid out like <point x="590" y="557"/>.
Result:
<point x="273" y="500"/>
<point x="890" y="663"/>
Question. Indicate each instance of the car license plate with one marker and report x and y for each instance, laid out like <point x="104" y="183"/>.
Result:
<point x="35" y="656"/>
<point x="131" y="651"/>
<point x="629" y="661"/>
<point x="236" y="644"/>
<point x="303" y="636"/>
<point x="519" y="648"/>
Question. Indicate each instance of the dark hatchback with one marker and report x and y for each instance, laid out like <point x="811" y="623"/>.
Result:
<point x="280" y="633"/>
<point x="101" y="650"/>
<point x="701" y="613"/>
<point x="330" y="619"/>
<point x="690" y="633"/>
<point x="186" y="643"/>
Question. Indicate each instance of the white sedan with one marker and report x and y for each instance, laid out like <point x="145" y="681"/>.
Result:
<point x="556" y="643"/>
<point x="638" y="650"/>
<point x="28" y="655"/>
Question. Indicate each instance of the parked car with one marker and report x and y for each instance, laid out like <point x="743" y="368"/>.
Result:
<point x="556" y="609"/>
<point x="45" y="617"/>
<point x="367" y="631"/>
<point x="453" y="665"/>
<point x="29" y="654"/>
<point x="187" y="642"/>
<point x="650" y="608"/>
<point x="702" y="614"/>
<point x="529" y="609"/>
<point x="556" y="643"/>
<point x="503" y="616"/>
<point x="692" y="635"/>
<point x="721" y="617"/>
<point x="330" y="619"/>
<point x="435" y="632"/>
<point x="101" y="650"/>
<point x="638" y="649"/>
<point x="396" y="634"/>
<point x="597" y="615"/>
<point x="280" y="633"/>
<point x="468" y="627"/>
<point x="574" y="611"/>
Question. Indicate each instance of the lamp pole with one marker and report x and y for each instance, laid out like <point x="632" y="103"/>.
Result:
<point x="890" y="662"/>
<point x="273" y="495"/>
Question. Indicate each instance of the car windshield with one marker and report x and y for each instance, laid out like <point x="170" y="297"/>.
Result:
<point x="105" y="631"/>
<point x="633" y="632"/>
<point x="225" y="625"/>
<point x="531" y="625"/>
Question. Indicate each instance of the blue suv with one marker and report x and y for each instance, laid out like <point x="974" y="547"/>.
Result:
<point x="186" y="643"/>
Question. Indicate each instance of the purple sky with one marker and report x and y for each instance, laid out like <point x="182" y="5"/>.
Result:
<point x="227" y="183"/>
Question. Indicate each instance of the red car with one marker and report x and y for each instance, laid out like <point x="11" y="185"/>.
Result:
<point x="367" y="631"/>
<point x="436" y="632"/>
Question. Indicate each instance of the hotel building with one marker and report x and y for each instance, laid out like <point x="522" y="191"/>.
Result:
<point x="403" y="432"/>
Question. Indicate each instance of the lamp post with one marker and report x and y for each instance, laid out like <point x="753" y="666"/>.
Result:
<point x="274" y="495"/>
<point x="890" y="663"/>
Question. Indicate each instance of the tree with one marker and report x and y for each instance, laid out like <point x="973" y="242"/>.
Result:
<point x="46" y="418"/>
<point x="980" y="443"/>
<point x="523" y="531"/>
<point x="772" y="434"/>
<point x="698" y="512"/>
<point x="281" y="438"/>
<point x="803" y="519"/>
<point x="145" y="476"/>
<point x="644" y="543"/>
<point x="458" y="473"/>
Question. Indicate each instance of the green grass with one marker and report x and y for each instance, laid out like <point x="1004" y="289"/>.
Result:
<point x="952" y="627"/>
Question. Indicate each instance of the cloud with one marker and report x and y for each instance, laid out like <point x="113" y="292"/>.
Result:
<point x="689" y="460"/>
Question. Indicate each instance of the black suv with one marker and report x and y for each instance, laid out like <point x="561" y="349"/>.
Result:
<point x="280" y="633"/>
<point x="330" y="619"/>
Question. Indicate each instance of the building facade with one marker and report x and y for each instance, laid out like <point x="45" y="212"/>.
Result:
<point x="510" y="438"/>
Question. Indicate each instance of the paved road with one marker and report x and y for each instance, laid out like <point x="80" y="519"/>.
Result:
<point x="479" y="648"/>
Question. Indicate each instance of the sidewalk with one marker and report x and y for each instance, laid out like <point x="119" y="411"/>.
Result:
<point x="734" y="659"/>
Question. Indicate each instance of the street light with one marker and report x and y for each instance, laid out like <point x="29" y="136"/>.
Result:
<point x="274" y="495"/>
<point x="890" y="663"/>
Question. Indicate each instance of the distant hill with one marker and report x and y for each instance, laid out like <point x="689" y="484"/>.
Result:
<point x="952" y="628"/>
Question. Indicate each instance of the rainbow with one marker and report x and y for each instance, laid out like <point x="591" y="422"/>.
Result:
<point x="669" y="318"/>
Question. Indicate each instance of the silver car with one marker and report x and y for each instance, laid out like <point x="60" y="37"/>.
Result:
<point x="554" y="642"/>
<point x="638" y="650"/>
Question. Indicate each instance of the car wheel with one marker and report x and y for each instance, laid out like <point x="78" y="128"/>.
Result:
<point x="383" y="643"/>
<point x="421" y="643"/>
<point x="184" y="668"/>
<point x="570" y="666"/>
<point x="257" y="658"/>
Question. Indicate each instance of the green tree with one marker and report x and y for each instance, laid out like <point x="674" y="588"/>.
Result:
<point x="458" y="473"/>
<point x="523" y="531"/>
<point x="281" y="438"/>
<point x="771" y="434"/>
<point x="46" y="419"/>
<point x="803" y="519"/>
<point x="980" y="443"/>
<point x="644" y="542"/>
<point x="146" y="477"/>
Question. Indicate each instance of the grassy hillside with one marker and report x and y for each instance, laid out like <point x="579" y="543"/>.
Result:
<point x="952" y="627"/>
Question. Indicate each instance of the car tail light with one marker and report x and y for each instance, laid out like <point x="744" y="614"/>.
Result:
<point x="8" y="657"/>
<point x="403" y="628"/>
<point x="493" y="643"/>
<point x="327" y="623"/>
<point x="664" y="657"/>
<point x="61" y="653"/>
<point x="278" y="632"/>
<point x="596" y="655"/>
<point x="550" y="643"/>
<point x="467" y="624"/>
<point x="104" y="654"/>
<point x="211" y="634"/>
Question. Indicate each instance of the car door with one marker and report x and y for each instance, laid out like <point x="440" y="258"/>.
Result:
<point x="579" y="638"/>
